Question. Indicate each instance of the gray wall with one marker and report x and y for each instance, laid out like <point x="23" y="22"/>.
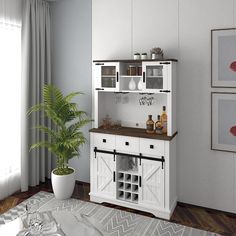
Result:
<point x="182" y="28"/>
<point x="71" y="57"/>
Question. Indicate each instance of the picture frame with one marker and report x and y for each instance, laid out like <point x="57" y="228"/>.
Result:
<point x="223" y="121"/>
<point x="223" y="58"/>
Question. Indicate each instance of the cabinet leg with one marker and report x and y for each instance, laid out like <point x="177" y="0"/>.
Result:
<point x="96" y="199"/>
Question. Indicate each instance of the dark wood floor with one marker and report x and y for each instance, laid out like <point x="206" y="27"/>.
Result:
<point x="193" y="216"/>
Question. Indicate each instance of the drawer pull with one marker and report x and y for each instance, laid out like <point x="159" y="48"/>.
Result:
<point x="140" y="181"/>
<point x="127" y="143"/>
<point x="151" y="146"/>
<point x="104" y="140"/>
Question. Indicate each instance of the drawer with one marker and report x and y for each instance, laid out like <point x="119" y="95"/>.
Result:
<point x="152" y="147"/>
<point x="127" y="144"/>
<point x="104" y="141"/>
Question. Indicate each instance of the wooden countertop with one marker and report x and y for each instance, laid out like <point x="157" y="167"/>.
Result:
<point x="135" y="61"/>
<point x="133" y="132"/>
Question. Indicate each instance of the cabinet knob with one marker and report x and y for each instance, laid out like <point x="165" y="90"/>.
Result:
<point x="151" y="146"/>
<point x="127" y="143"/>
<point x="104" y="140"/>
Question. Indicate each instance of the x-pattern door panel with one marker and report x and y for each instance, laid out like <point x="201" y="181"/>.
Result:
<point x="105" y="169"/>
<point x="152" y="191"/>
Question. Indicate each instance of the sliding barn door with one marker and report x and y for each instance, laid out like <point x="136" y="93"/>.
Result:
<point x="105" y="171"/>
<point x="152" y="183"/>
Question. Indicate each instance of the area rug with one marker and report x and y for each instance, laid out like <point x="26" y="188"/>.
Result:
<point x="113" y="222"/>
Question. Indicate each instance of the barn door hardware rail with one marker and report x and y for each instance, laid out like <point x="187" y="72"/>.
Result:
<point x="140" y="156"/>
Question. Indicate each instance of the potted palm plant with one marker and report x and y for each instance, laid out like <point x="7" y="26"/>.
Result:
<point x="64" y="139"/>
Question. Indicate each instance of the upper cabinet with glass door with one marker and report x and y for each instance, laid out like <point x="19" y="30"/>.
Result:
<point x="155" y="76"/>
<point x="139" y="76"/>
<point x="106" y="76"/>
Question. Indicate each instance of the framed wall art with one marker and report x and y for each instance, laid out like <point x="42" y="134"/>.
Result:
<point x="223" y="121"/>
<point x="223" y="58"/>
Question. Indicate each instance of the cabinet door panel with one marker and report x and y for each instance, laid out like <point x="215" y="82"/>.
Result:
<point x="105" y="168"/>
<point x="106" y="76"/>
<point x="152" y="190"/>
<point x="156" y="76"/>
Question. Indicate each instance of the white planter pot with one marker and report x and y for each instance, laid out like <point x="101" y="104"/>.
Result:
<point x="63" y="185"/>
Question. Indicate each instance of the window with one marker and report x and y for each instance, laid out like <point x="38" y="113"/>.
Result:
<point x="10" y="107"/>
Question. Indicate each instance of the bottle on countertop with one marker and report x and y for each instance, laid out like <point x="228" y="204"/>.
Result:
<point x="164" y="120"/>
<point x="150" y="125"/>
<point x="158" y="125"/>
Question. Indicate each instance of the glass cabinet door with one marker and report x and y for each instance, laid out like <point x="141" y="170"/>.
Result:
<point x="106" y="76"/>
<point x="155" y="76"/>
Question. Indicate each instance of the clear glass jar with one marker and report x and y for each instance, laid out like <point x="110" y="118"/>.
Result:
<point x="131" y="70"/>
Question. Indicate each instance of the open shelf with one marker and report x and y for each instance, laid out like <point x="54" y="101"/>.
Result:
<point x="126" y="80"/>
<point x="130" y="76"/>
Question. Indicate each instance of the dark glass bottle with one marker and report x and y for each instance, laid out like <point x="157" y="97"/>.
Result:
<point x="158" y="125"/>
<point x="150" y="125"/>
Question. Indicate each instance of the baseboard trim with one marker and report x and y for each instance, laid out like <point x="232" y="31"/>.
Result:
<point x="81" y="182"/>
<point x="205" y="208"/>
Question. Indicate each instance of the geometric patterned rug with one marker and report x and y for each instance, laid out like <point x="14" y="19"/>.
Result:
<point x="114" y="222"/>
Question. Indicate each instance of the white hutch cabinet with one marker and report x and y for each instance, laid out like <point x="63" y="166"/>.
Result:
<point x="129" y="167"/>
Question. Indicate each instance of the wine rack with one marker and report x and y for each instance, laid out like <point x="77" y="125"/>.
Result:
<point x="127" y="186"/>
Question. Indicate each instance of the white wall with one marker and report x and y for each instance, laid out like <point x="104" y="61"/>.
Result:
<point x="182" y="29"/>
<point x="71" y="57"/>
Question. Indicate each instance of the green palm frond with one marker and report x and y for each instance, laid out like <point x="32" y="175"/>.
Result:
<point x="40" y="144"/>
<point x="46" y="130"/>
<point x="72" y="95"/>
<point x="66" y="136"/>
<point x="35" y="108"/>
<point x="79" y="124"/>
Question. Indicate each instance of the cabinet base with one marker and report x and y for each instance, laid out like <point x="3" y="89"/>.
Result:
<point x="160" y="213"/>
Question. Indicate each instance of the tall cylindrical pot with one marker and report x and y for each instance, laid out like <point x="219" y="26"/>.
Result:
<point x="63" y="185"/>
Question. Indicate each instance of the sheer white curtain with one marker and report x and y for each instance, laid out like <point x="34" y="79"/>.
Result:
<point x="10" y="96"/>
